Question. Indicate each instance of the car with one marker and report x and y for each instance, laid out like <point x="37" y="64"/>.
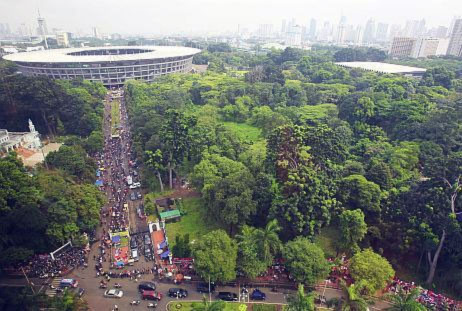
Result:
<point x="132" y="196"/>
<point x="177" y="293"/>
<point x="147" y="252"/>
<point x="113" y="293"/>
<point x="227" y="296"/>
<point x="135" y="254"/>
<point x="133" y="243"/>
<point x="134" y="186"/>
<point x="138" y="195"/>
<point x="80" y="292"/>
<point x="147" y="239"/>
<point x="151" y="295"/>
<point x="257" y="295"/>
<point x="135" y="173"/>
<point x="146" y="286"/>
<point x="203" y="287"/>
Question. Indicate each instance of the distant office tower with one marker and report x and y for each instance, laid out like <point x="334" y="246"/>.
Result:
<point x="265" y="30"/>
<point x="455" y="44"/>
<point x="284" y="26"/>
<point x="414" y="28"/>
<point x="341" y="30"/>
<point x="425" y="47"/>
<point x="395" y="31"/>
<point x="382" y="32"/>
<point x="453" y="22"/>
<point x="359" y="32"/>
<point x="402" y="47"/>
<point x="312" y="31"/>
<point x="96" y="32"/>
<point x="42" y="29"/>
<point x="294" y="36"/>
<point x="369" y="32"/>
<point x="441" y="32"/>
<point x="443" y="46"/>
<point x="62" y="38"/>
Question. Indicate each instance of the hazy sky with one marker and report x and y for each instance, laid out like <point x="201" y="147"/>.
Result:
<point x="213" y="16"/>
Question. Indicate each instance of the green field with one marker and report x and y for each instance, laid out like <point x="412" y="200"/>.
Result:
<point x="115" y="117"/>
<point x="194" y="222"/>
<point x="244" y="131"/>
<point x="230" y="306"/>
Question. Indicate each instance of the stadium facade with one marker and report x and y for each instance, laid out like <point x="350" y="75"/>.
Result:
<point x="109" y="65"/>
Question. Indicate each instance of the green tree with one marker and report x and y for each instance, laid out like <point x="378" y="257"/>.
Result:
<point x="155" y="162"/>
<point x="249" y="259"/>
<point x="267" y="241"/>
<point x="305" y="261"/>
<point x="352" y="300"/>
<point x="215" y="256"/>
<point x="353" y="228"/>
<point x="403" y="301"/>
<point x="300" y="301"/>
<point x="372" y="269"/>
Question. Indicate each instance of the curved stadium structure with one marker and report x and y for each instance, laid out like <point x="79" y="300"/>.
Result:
<point x="109" y="65"/>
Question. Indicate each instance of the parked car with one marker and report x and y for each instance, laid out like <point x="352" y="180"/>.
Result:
<point x="146" y="286"/>
<point x="135" y="173"/>
<point x="113" y="293"/>
<point x="132" y="196"/>
<point x="133" y="243"/>
<point x="147" y="239"/>
<point x="257" y="295"/>
<point x="138" y="195"/>
<point x="178" y="292"/>
<point x="151" y="295"/>
<point x="147" y="252"/>
<point x="203" y="287"/>
<point x="227" y="296"/>
<point x="135" y="254"/>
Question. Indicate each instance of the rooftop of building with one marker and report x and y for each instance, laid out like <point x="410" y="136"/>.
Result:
<point x="383" y="67"/>
<point x="101" y="54"/>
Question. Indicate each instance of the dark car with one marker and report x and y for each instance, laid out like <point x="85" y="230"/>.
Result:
<point x="257" y="295"/>
<point x="227" y="296"/>
<point x="146" y="286"/>
<point x="133" y="243"/>
<point x="147" y="252"/>
<point x="204" y="287"/>
<point x="178" y="292"/>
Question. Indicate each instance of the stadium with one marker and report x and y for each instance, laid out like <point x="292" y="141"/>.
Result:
<point x="109" y="65"/>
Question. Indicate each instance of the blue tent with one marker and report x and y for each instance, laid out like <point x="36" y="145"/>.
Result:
<point x="163" y="244"/>
<point x="164" y="255"/>
<point x="99" y="183"/>
<point x="98" y="173"/>
<point x="116" y="239"/>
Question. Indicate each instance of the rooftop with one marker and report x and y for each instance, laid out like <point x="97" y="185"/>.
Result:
<point x="101" y="54"/>
<point x="383" y="67"/>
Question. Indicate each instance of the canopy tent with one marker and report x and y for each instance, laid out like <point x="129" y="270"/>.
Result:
<point x="98" y="173"/>
<point x="163" y="244"/>
<point x="165" y="254"/>
<point x="173" y="214"/>
<point x="116" y="239"/>
<point x="99" y="183"/>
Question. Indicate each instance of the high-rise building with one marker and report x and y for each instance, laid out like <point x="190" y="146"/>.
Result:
<point x="451" y="26"/>
<point x="441" y="32"/>
<point x="283" y="26"/>
<point x="455" y="44"/>
<point x="265" y="30"/>
<point x="294" y="36"/>
<point x="402" y="47"/>
<point x="443" y="46"/>
<point x="62" y="38"/>
<point x="341" y="30"/>
<point x="42" y="29"/>
<point x="96" y="32"/>
<point x="425" y="47"/>
<point x="369" y="32"/>
<point x="359" y="32"/>
<point x="312" y="31"/>
<point x="382" y="32"/>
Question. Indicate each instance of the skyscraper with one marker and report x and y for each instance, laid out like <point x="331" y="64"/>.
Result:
<point x="382" y="32"/>
<point x="42" y="29"/>
<point x="96" y="32"/>
<point x="312" y="29"/>
<point x="455" y="44"/>
<point x="341" y="30"/>
<point x="369" y="32"/>
<point x="283" y="26"/>
<point x="294" y="36"/>
<point x="425" y="47"/>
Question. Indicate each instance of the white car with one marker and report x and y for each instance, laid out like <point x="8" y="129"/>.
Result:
<point x="135" y="185"/>
<point x="113" y="293"/>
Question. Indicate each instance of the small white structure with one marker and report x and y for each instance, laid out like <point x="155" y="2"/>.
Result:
<point x="10" y="141"/>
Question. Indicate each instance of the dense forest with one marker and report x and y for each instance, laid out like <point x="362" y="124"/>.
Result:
<point x="291" y="137"/>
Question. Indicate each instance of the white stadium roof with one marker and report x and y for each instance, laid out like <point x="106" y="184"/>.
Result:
<point x="382" y="67"/>
<point x="62" y="55"/>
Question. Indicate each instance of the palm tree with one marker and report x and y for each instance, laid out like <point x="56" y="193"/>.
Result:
<point x="300" y="301"/>
<point x="352" y="299"/>
<point x="406" y="301"/>
<point x="218" y="305"/>
<point x="268" y="241"/>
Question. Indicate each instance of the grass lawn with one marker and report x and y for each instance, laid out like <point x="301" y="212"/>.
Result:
<point x="194" y="222"/>
<point x="244" y="131"/>
<point x="326" y="240"/>
<point x="115" y="116"/>
<point x="230" y="306"/>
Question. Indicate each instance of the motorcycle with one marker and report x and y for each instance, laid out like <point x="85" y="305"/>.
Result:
<point x="135" y="303"/>
<point x="117" y="285"/>
<point x="152" y="305"/>
<point x="102" y="285"/>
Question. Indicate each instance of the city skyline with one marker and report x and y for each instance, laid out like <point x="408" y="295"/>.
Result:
<point x="212" y="17"/>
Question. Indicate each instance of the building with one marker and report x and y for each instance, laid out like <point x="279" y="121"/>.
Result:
<point x="385" y="68"/>
<point x="111" y="66"/>
<point x="402" y="47"/>
<point x="42" y="29"/>
<point x="455" y="44"/>
<point x="62" y="39"/>
<point x="382" y="32"/>
<point x="442" y="46"/>
<point x="312" y="32"/>
<point x="10" y="141"/>
<point x="96" y="33"/>
<point x="425" y="47"/>
<point x="369" y="32"/>
<point x="294" y="36"/>
<point x="265" y="30"/>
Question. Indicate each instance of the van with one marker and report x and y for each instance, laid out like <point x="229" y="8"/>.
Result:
<point x="135" y="254"/>
<point x="68" y="283"/>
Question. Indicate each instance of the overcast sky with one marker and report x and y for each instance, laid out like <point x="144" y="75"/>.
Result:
<point x="213" y="16"/>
